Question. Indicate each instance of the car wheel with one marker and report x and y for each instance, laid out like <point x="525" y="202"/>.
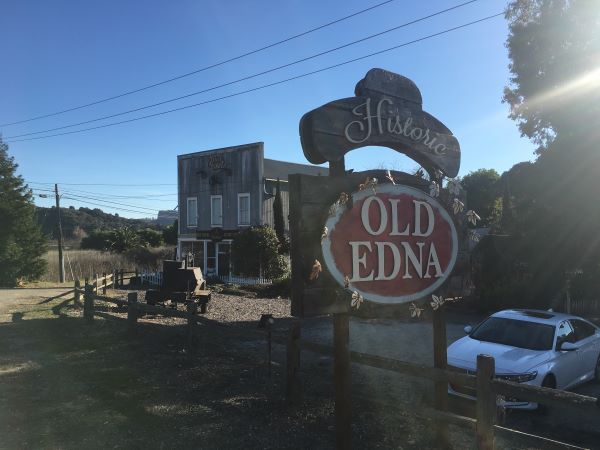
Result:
<point x="597" y="371"/>
<point x="548" y="382"/>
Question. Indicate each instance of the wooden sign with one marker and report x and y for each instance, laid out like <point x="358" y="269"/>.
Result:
<point x="387" y="111"/>
<point x="376" y="235"/>
<point x="390" y="243"/>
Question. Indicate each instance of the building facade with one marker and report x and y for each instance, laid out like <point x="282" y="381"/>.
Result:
<point x="223" y="191"/>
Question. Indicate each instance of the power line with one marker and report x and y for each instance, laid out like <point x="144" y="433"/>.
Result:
<point x="246" y="78"/>
<point x="232" y="184"/>
<point x="151" y="198"/>
<point x="116" y="196"/>
<point x="107" y="203"/>
<point x="106" y="206"/>
<point x="111" y="202"/>
<point x="212" y="66"/>
<point x="106" y="184"/>
<point x="67" y="195"/>
<point x="85" y="200"/>
<point x="236" y="94"/>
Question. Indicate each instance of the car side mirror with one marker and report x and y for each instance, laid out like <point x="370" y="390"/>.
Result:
<point x="567" y="346"/>
<point x="468" y="329"/>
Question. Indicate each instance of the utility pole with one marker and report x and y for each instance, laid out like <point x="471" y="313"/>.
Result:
<point x="61" y="261"/>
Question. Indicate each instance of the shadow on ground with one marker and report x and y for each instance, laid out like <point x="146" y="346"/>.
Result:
<point x="68" y="384"/>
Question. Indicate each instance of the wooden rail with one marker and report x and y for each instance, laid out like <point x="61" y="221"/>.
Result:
<point x="546" y="396"/>
<point x="487" y="388"/>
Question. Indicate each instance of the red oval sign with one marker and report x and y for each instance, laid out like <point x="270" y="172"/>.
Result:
<point x="394" y="246"/>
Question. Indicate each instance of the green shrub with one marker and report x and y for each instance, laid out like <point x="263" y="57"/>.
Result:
<point x="97" y="240"/>
<point x="170" y="233"/>
<point x="150" y="238"/>
<point x="254" y="253"/>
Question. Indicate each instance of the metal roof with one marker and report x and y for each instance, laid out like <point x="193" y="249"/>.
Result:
<point x="274" y="169"/>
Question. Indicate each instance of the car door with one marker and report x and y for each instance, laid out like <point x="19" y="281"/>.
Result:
<point x="585" y="337"/>
<point x="567" y="364"/>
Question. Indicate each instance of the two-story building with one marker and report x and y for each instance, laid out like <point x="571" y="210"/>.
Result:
<point x="224" y="190"/>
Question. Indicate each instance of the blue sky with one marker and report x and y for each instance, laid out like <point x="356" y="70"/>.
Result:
<point x="62" y="54"/>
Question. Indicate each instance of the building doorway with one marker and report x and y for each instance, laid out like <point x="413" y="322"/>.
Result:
<point x="223" y="259"/>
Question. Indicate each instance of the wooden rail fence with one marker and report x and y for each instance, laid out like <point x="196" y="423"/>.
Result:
<point x="487" y="387"/>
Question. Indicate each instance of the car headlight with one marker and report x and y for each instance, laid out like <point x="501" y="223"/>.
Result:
<point x="518" y="377"/>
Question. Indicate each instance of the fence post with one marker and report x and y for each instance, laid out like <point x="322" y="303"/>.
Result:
<point x="104" y="284"/>
<point x="77" y="293"/>
<point x="440" y="361"/>
<point x="293" y="391"/>
<point x="96" y="283"/>
<point x="192" y="309"/>
<point x="342" y="381"/>
<point x="88" y="303"/>
<point x="122" y="283"/>
<point x="132" y="314"/>
<point x="486" y="402"/>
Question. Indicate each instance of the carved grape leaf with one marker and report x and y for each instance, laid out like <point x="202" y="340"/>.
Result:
<point x="458" y="206"/>
<point x="316" y="270"/>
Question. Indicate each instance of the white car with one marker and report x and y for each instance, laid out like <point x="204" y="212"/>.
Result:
<point x="539" y="348"/>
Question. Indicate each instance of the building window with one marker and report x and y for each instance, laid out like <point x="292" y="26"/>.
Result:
<point x="216" y="210"/>
<point x="192" y="212"/>
<point x="244" y="209"/>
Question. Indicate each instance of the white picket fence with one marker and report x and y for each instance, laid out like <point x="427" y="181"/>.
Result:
<point x="155" y="279"/>
<point x="232" y="279"/>
<point x="152" y="278"/>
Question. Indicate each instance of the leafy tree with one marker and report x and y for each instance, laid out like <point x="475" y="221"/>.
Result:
<point x="278" y="220"/>
<point x="21" y="242"/>
<point x="98" y="240"/>
<point x="554" y="94"/>
<point x="124" y="239"/>
<point x="484" y="195"/>
<point x="553" y="47"/>
<point x="170" y="233"/>
<point x="82" y="218"/>
<point x="254" y="252"/>
<point x="150" y="237"/>
<point x="555" y="98"/>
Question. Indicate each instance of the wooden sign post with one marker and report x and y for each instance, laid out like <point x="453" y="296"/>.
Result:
<point x="382" y="237"/>
<point x="342" y="380"/>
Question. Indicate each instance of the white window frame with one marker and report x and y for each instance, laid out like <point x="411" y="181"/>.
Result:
<point x="187" y="204"/>
<point x="240" y="196"/>
<point x="220" y="198"/>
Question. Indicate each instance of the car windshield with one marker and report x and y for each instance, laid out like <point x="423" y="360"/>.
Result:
<point x="516" y="333"/>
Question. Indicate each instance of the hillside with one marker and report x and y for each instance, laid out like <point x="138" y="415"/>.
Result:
<point x="86" y="219"/>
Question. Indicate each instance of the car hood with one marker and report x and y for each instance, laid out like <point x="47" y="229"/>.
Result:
<point x="463" y="353"/>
